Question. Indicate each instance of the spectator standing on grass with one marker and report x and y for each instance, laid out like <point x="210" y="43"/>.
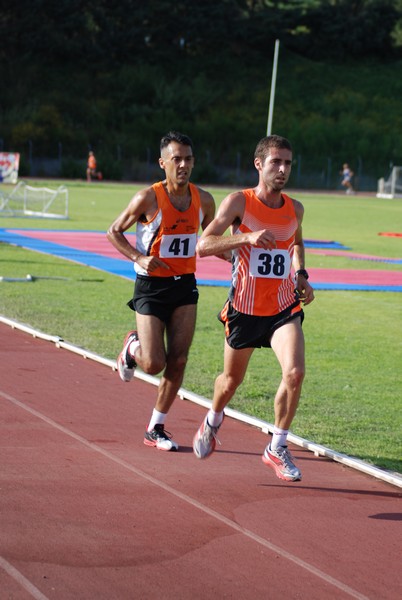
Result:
<point x="92" y="173"/>
<point x="264" y="308"/>
<point x="347" y="175"/>
<point x="168" y="215"/>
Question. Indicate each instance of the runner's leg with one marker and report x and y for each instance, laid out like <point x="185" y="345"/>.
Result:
<point x="288" y="344"/>
<point x="180" y="332"/>
<point x="234" y="370"/>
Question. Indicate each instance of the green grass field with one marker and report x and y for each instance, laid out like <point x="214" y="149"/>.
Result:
<point x="352" y="395"/>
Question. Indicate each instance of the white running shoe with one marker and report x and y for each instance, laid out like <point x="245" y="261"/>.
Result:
<point x="282" y="463"/>
<point x="125" y="362"/>
<point x="205" y="439"/>
<point x="160" y="439"/>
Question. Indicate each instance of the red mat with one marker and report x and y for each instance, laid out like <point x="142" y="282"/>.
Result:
<point x="212" y="268"/>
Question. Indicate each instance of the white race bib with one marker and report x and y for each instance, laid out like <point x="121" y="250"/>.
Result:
<point x="181" y="245"/>
<point x="273" y="264"/>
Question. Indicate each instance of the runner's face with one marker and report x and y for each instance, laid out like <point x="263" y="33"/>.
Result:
<point x="177" y="161"/>
<point x="275" y="170"/>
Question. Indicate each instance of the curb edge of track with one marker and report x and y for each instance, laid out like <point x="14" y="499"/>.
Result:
<point x="318" y="450"/>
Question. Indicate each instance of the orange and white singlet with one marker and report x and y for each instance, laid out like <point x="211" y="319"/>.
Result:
<point x="171" y="234"/>
<point x="262" y="283"/>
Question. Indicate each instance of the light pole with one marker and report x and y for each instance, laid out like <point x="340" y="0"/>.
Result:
<point x="273" y="84"/>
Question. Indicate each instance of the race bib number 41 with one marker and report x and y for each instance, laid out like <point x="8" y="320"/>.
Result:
<point x="180" y="245"/>
<point x="274" y="264"/>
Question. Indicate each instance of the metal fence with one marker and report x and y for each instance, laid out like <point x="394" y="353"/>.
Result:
<point x="323" y="174"/>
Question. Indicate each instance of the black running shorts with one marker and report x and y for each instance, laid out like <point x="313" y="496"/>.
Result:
<point x="160" y="296"/>
<point x="249" y="331"/>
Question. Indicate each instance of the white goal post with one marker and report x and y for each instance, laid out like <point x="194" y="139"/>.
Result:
<point x="40" y="202"/>
<point x="391" y="187"/>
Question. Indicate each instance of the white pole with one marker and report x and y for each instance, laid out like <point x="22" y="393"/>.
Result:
<point x="273" y="84"/>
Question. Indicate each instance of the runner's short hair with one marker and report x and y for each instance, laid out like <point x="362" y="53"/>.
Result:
<point x="270" y="141"/>
<point x="176" y="136"/>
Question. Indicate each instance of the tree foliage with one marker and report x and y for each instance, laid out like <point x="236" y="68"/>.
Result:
<point x="82" y="73"/>
<point x="349" y="29"/>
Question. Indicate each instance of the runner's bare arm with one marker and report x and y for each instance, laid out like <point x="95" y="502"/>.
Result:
<point x="231" y="210"/>
<point x="207" y="207"/>
<point x="303" y="287"/>
<point x="142" y="205"/>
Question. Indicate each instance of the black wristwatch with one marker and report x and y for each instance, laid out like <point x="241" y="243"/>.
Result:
<point x="302" y="272"/>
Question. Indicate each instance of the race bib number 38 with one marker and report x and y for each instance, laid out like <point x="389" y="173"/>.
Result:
<point x="274" y="264"/>
<point x="180" y="245"/>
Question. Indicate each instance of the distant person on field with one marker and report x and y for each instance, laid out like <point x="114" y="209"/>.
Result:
<point x="347" y="175"/>
<point x="167" y="215"/>
<point x="92" y="173"/>
<point x="265" y="304"/>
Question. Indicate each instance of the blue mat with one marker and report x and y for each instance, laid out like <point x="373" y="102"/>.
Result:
<point x="124" y="268"/>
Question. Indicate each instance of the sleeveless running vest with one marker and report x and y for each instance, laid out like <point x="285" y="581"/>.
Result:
<point x="262" y="283"/>
<point x="171" y="234"/>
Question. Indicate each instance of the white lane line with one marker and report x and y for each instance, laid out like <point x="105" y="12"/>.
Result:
<point x="212" y="513"/>
<point x="23" y="581"/>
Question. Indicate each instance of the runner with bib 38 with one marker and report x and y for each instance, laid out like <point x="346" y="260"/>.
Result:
<point x="264" y="307"/>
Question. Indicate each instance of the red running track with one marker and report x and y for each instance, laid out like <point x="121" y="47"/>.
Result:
<point x="89" y="512"/>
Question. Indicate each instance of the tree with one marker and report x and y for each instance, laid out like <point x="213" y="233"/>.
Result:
<point x="349" y="29"/>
